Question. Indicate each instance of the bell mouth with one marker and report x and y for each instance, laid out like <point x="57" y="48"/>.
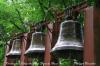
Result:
<point x="67" y="53"/>
<point x="67" y="45"/>
<point x="32" y="52"/>
<point x="35" y="54"/>
<point x="35" y="50"/>
<point x="12" y="53"/>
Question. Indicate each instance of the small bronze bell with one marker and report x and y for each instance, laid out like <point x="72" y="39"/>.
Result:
<point x="15" y="49"/>
<point x="37" y="44"/>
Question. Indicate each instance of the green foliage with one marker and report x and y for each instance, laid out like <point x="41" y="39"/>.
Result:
<point x="35" y="62"/>
<point x="17" y="15"/>
<point x="65" y="62"/>
<point x="17" y="63"/>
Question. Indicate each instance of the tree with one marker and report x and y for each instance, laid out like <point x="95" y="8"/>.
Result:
<point x="17" y="15"/>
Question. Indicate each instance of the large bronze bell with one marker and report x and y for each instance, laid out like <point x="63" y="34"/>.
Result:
<point x="69" y="39"/>
<point x="37" y="44"/>
<point x="15" y="49"/>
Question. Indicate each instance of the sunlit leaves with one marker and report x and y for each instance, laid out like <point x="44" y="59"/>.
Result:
<point x="65" y="62"/>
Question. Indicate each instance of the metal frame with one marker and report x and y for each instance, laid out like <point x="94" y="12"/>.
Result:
<point x="91" y="39"/>
<point x="88" y="37"/>
<point x="24" y="42"/>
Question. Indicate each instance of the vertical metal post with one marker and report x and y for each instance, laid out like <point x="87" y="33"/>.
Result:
<point x="5" y="58"/>
<point x="23" y="46"/>
<point x="48" y="39"/>
<point x="55" y="34"/>
<point x="88" y="37"/>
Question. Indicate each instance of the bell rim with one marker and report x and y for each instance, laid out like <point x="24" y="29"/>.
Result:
<point x="69" y="21"/>
<point x="34" y="51"/>
<point x="67" y="48"/>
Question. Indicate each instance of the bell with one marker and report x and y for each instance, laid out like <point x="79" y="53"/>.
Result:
<point x="15" y="49"/>
<point x="37" y="44"/>
<point x="69" y="39"/>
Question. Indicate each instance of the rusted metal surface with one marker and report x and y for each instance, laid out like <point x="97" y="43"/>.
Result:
<point x="23" y="45"/>
<point x="48" y="39"/>
<point x="92" y="37"/>
<point x="80" y="6"/>
<point x="8" y="60"/>
<point x="5" y="58"/>
<point x="55" y="34"/>
<point x="88" y="37"/>
<point x="27" y="38"/>
<point x="47" y="51"/>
